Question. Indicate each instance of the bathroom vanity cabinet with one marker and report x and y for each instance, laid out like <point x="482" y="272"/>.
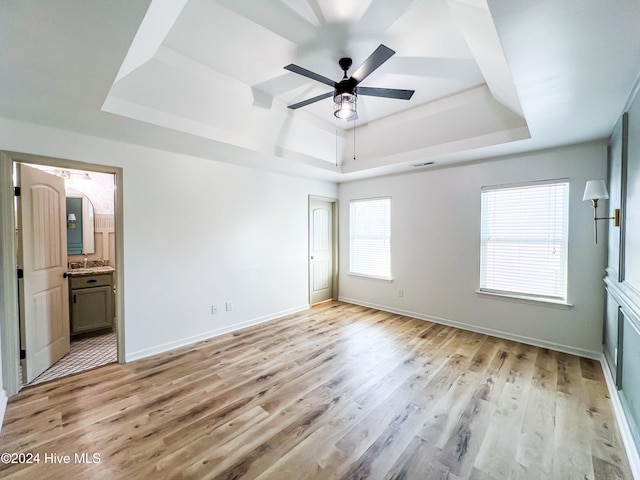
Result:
<point x="91" y="301"/>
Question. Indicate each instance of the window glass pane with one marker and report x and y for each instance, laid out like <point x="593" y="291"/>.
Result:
<point x="369" y="237"/>
<point x="524" y="240"/>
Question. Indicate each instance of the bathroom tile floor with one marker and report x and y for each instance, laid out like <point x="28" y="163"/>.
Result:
<point x="85" y="354"/>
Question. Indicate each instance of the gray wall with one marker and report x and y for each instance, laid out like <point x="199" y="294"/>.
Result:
<point x="435" y="249"/>
<point x="622" y="323"/>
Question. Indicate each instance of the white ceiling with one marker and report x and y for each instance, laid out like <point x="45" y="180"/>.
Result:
<point x="206" y="77"/>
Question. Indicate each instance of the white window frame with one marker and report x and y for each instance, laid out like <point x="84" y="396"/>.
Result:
<point x="514" y="235"/>
<point x="373" y="260"/>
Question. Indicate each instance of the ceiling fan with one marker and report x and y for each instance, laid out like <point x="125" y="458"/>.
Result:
<point x="346" y="91"/>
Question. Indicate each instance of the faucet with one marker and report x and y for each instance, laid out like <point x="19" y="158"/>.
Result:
<point x="85" y="261"/>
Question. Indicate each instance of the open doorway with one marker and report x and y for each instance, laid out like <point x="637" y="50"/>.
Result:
<point x="89" y="321"/>
<point x="323" y="250"/>
<point x="107" y="251"/>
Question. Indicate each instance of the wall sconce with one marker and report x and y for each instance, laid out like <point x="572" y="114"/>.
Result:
<point x="596" y="190"/>
<point x="71" y="220"/>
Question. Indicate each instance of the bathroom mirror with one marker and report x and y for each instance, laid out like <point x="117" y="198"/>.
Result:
<point x="80" y="224"/>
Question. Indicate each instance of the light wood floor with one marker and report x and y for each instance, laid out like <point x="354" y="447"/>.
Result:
<point x="339" y="391"/>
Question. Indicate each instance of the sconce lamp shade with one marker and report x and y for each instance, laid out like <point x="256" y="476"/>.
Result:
<point x="595" y="190"/>
<point x="71" y="221"/>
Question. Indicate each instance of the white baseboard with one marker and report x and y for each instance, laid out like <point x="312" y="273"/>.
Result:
<point x="487" y="331"/>
<point x="147" y="352"/>
<point x="3" y="406"/>
<point x="621" y="420"/>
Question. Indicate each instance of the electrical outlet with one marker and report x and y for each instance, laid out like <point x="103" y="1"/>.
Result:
<point x="401" y="293"/>
<point x="228" y="306"/>
<point x="214" y="309"/>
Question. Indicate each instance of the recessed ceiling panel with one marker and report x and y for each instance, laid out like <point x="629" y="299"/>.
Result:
<point x="219" y="73"/>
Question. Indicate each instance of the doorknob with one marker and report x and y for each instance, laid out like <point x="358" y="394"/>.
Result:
<point x="311" y="257"/>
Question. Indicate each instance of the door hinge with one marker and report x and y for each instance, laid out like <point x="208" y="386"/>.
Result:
<point x="16" y="191"/>
<point x="20" y="273"/>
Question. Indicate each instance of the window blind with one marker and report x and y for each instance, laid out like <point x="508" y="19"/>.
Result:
<point x="369" y="237"/>
<point x="524" y="240"/>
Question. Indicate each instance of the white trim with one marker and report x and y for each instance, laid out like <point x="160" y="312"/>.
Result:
<point x="625" y="432"/>
<point x="165" y="347"/>
<point x="594" y="355"/>
<point x="532" y="183"/>
<point x="371" y="277"/>
<point x="9" y="312"/>
<point x="547" y="302"/>
<point x="3" y="406"/>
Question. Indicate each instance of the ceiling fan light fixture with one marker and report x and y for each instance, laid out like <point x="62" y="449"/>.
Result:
<point x="344" y="105"/>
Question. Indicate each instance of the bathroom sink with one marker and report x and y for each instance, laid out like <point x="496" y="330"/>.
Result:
<point x="78" y="272"/>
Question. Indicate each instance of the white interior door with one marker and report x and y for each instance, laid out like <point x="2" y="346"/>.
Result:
<point x="320" y="250"/>
<point x="42" y="254"/>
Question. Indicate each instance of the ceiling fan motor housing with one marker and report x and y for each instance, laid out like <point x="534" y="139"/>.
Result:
<point x="346" y="86"/>
<point x="345" y="64"/>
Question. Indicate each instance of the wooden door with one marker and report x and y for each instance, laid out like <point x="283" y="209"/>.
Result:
<point x="320" y="250"/>
<point x="42" y="254"/>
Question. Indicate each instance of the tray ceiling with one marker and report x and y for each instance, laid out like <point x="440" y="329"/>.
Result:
<point x="206" y="77"/>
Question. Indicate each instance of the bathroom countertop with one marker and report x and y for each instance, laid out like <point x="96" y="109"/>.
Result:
<point x="82" y="272"/>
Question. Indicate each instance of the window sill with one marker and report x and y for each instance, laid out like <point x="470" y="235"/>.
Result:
<point x="546" y="302"/>
<point x="371" y="277"/>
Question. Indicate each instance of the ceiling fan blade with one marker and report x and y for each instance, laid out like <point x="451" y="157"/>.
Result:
<point x="310" y="100"/>
<point x="377" y="58"/>
<point x="309" y="74"/>
<point x="385" y="92"/>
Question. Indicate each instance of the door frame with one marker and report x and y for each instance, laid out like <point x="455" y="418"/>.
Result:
<point x="334" y="244"/>
<point x="9" y="312"/>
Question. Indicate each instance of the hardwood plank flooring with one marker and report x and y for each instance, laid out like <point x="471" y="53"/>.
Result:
<point x="336" y="392"/>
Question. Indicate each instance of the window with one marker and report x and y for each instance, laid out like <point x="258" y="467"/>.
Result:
<point x="524" y="240"/>
<point x="369" y="237"/>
